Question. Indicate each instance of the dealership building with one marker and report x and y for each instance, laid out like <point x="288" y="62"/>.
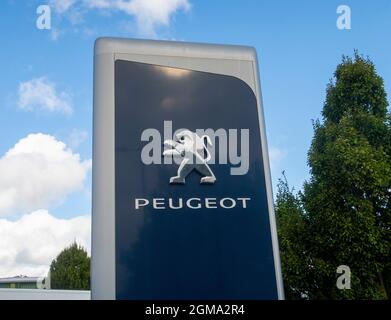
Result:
<point x="19" y="282"/>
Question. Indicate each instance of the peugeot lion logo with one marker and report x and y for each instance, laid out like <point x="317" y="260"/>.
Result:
<point x="191" y="148"/>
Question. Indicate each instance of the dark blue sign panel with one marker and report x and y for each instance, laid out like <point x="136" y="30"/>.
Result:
<point x="178" y="235"/>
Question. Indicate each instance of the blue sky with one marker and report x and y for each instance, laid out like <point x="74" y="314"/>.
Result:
<point x="298" y="45"/>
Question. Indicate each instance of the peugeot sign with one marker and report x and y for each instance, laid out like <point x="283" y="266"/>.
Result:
<point x="182" y="199"/>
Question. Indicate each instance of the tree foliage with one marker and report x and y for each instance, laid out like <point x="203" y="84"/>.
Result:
<point x="71" y="269"/>
<point x="291" y="232"/>
<point x="346" y="204"/>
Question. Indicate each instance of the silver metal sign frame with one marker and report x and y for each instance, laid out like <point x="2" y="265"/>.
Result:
<point x="237" y="61"/>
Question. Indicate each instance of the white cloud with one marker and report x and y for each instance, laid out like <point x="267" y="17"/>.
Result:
<point x="37" y="172"/>
<point x="41" y="94"/>
<point x="62" y="6"/>
<point x="28" y="245"/>
<point x="149" y="14"/>
<point x="100" y="4"/>
<point x="76" y="138"/>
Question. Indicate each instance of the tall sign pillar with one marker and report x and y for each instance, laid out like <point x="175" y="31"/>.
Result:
<point x="182" y="198"/>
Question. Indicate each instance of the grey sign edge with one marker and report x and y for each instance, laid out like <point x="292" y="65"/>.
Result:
<point x="237" y="61"/>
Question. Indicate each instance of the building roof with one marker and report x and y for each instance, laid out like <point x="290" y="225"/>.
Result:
<point x="20" y="279"/>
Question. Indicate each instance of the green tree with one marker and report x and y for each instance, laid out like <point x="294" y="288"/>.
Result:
<point x="347" y="200"/>
<point x="71" y="269"/>
<point x="291" y="226"/>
